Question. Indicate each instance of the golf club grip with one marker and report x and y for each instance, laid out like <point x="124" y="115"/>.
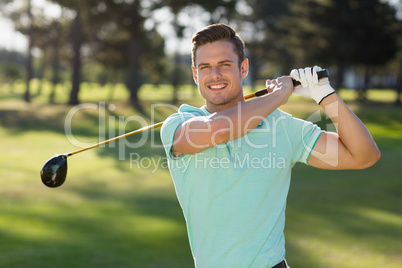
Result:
<point x="321" y="74"/>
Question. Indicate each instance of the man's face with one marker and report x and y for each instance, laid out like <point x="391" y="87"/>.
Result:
<point x="218" y="75"/>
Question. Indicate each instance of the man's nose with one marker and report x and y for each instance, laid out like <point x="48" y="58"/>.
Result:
<point x="215" y="73"/>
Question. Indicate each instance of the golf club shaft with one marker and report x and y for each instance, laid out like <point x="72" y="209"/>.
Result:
<point x="252" y="95"/>
<point x="117" y="138"/>
<point x="321" y="74"/>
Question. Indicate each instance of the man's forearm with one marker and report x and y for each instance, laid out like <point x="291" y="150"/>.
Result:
<point x="241" y="119"/>
<point x="200" y="133"/>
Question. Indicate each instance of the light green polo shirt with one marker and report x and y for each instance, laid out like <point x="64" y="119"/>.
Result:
<point x="234" y="195"/>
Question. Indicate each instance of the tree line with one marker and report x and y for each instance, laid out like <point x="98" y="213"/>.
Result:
<point x="118" y="40"/>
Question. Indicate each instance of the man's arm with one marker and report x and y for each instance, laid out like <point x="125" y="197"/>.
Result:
<point x="197" y="134"/>
<point x="352" y="147"/>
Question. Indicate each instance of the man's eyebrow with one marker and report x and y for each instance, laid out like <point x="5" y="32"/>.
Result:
<point x="219" y="62"/>
<point x="224" y="61"/>
<point x="203" y="64"/>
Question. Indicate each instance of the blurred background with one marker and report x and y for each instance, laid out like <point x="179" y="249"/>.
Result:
<point x="136" y="42"/>
<point x="125" y="56"/>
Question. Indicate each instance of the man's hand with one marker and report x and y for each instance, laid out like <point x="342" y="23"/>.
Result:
<point x="310" y="86"/>
<point x="283" y="84"/>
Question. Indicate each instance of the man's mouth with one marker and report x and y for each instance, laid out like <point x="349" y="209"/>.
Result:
<point x="217" y="87"/>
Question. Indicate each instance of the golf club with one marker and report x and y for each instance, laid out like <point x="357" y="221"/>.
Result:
<point x="54" y="172"/>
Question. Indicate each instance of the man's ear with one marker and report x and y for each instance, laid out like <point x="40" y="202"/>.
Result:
<point x="244" y="68"/>
<point x="195" y="75"/>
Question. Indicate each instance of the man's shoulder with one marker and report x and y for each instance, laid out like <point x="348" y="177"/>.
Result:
<point x="278" y="115"/>
<point x="188" y="110"/>
<point x="185" y="112"/>
<point x="279" y="118"/>
<point x="278" y="112"/>
<point x="185" y="108"/>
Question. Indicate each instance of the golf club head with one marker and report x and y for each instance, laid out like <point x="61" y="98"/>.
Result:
<point x="54" y="172"/>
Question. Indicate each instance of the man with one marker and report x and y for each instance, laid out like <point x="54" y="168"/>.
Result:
<point x="231" y="160"/>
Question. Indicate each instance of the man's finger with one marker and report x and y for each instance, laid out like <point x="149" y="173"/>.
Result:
<point x="303" y="80"/>
<point x="294" y="74"/>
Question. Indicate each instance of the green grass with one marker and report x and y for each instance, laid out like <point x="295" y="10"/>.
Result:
<point x="113" y="212"/>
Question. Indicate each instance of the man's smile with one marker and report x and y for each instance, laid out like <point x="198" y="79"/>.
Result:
<point x="217" y="87"/>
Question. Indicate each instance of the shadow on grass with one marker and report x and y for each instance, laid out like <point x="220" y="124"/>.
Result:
<point x="85" y="120"/>
<point x="48" y="118"/>
<point x="144" y="151"/>
<point x="381" y="113"/>
<point x="128" y="231"/>
<point x="139" y="227"/>
<point x="339" y="214"/>
<point x="134" y="227"/>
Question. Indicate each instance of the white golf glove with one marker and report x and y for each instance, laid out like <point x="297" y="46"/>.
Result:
<point x="310" y="86"/>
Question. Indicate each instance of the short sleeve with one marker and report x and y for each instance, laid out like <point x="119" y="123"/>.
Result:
<point x="310" y="135"/>
<point x="303" y="136"/>
<point x="169" y="128"/>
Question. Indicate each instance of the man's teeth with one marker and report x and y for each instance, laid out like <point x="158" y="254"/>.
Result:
<point x="217" y="86"/>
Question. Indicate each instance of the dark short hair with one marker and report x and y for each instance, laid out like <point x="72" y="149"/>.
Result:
<point x="218" y="32"/>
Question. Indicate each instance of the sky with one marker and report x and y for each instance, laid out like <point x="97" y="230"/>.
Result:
<point x="12" y="40"/>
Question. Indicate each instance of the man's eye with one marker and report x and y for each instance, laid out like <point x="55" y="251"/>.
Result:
<point x="203" y="67"/>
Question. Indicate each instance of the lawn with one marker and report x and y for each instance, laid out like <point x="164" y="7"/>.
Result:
<point x="118" y="207"/>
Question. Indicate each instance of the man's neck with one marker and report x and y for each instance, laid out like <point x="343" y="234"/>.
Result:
<point x="216" y="108"/>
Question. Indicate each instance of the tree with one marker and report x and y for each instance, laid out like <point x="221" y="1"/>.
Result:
<point x="55" y="43"/>
<point x="12" y="67"/>
<point x="48" y="37"/>
<point x="398" y="60"/>
<point x="343" y="33"/>
<point x="120" y="39"/>
<point x="219" y="10"/>
<point x="19" y="16"/>
<point x="176" y="6"/>
<point x="115" y="34"/>
<point x="77" y="39"/>
<point x="78" y="36"/>
<point x="23" y="19"/>
<point x="399" y="75"/>
<point x="43" y="33"/>
<point x="27" y="96"/>
<point x="267" y="48"/>
<point x="10" y="72"/>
